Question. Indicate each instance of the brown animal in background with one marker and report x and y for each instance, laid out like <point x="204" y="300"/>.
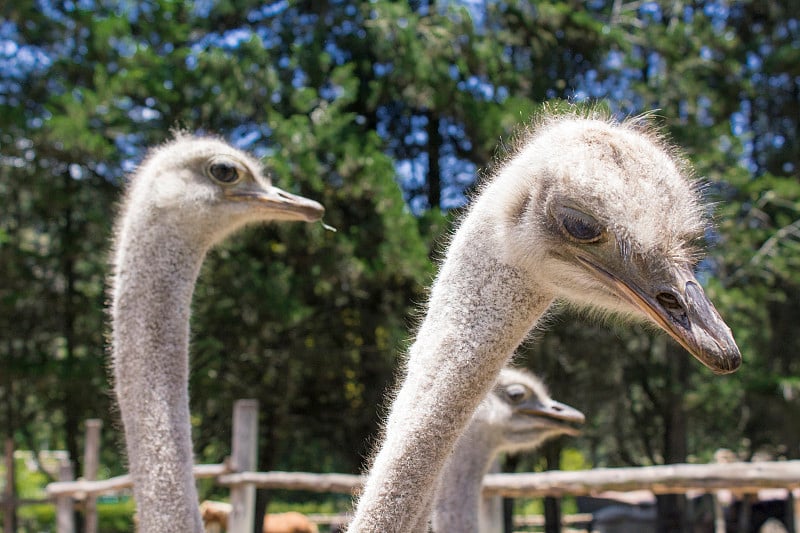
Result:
<point x="215" y="518"/>
<point x="215" y="515"/>
<point x="290" y="522"/>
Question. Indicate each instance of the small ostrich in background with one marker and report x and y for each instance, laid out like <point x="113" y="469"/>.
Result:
<point x="517" y="415"/>
<point x="187" y="195"/>
<point x="588" y="211"/>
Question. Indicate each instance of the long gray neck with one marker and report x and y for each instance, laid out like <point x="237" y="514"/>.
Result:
<point x="154" y="279"/>
<point x="458" y="497"/>
<point x="480" y="310"/>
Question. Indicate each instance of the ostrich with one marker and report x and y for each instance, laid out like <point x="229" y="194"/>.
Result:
<point x="517" y="415"/>
<point x="589" y="211"/>
<point x="186" y="196"/>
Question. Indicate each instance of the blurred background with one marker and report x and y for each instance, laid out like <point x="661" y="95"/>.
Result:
<point x="388" y="113"/>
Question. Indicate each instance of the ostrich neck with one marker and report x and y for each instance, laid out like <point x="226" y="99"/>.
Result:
<point x="480" y="310"/>
<point x="153" y="285"/>
<point x="458" y="498"/>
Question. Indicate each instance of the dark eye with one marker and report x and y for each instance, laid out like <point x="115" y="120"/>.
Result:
<point x="516" y="393"/>
<point x="223" y="172"/>
<point x="580" y="226"/>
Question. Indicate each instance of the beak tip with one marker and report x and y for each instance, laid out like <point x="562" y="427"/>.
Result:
<point x="723" y="371"/>
<point x="727" y="362"/>
<point x="317" y="213"/>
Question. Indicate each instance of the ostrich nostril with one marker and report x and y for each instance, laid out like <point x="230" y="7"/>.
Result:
<point x="669" y="301"/>
<point x="673" y="307"/>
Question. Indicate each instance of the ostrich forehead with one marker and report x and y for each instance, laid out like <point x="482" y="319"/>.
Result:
<point x="188" y="152"/>
<point x="623" y="175"/>
<point x="511" y="376"/>
<point x="175" y="171"/>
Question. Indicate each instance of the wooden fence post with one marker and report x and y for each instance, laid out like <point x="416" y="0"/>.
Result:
<point x="244" y="456"/>
<point x="719" y="514"/>
<point x="65" y="512"/>
<point x="91" y="460"/>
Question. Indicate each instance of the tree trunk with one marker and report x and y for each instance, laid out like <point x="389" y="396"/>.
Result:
<point x="262" y="503"/>
<point x="73" y="385"/>
<point x="508" y="515"/>
<point x="510" y="466"/>
<point x="552" y="505"/>
<point x="672" y="507"/>
<point x="10" y="493"/>
<point x="552" y="515"/>
<point x="434" y="170"/>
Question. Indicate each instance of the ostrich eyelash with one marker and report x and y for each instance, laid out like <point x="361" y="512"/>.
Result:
<point x="580" y="226"/>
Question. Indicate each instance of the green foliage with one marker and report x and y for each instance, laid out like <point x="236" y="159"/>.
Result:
<point x="112" y="517"/>
<point x="29" y="483"/>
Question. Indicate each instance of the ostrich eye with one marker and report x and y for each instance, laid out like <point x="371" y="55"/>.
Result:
<point x="516" y="393"/>
<point x="580" y="226"/>
<point x="223" y="172"/>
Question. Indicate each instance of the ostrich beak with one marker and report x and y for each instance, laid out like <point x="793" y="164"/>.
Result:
<point x="682" y="309"/>
<point x="281" y="204"/>
<point x="563" y="416"/>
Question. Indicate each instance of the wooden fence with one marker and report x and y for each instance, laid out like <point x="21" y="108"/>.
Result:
<point x="237" y="473"/>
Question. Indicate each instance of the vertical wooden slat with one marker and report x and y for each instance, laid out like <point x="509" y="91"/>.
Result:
<point x="244" y="456"/>
<point x="65" y="515"/>
<point x="91" y="460"/>
<point x="719" y="514"/>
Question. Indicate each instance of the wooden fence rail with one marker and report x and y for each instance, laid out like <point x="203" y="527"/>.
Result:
<point x="82" y="488"/>
<point x="740" y="478"/>
<point x="336" y="483"/>
<point x="744" y="478"/>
